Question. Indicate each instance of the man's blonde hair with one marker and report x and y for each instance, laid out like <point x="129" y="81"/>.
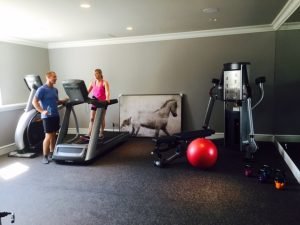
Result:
<point x="50" y="74"/>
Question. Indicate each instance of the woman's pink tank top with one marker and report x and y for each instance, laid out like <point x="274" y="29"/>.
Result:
<point x="99" y="91"/>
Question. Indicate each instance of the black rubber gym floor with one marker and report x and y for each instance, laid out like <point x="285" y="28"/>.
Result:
<point x="123" y="187"/>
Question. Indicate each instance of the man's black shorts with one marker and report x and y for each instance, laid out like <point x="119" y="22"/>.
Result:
<point x="51" y="124"/>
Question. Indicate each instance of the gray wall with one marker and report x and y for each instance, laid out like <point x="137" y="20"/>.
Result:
<point x="185" y="66"/>
<point x="15" y="62"/>
<point x="287" y="82"/>
<point x="164" y="67"/>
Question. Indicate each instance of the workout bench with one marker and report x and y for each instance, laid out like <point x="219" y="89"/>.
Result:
<point x="179" y="142"/>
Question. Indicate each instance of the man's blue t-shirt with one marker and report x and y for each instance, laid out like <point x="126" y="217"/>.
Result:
<point x="48" y="97"/>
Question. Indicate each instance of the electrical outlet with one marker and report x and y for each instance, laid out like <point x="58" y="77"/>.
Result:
<point x="115" y="124"/>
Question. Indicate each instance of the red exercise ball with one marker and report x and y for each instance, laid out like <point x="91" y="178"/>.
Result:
<point x="202" y="153"/>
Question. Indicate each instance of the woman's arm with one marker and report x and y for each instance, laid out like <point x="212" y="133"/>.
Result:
<point x="62" y="101"/>
<point x="107" y="91"/>
<point x="90" y="88"/>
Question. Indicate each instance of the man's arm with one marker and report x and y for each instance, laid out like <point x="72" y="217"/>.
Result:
<point x="37" y="105"/>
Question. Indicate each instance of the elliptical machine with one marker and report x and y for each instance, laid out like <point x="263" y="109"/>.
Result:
<point x="234" y="90"/>
<point x="29" y="133"/>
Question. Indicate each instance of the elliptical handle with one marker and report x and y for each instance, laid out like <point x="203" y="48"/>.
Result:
<point x="260" y="80"/>
<point x="215" y="81"/>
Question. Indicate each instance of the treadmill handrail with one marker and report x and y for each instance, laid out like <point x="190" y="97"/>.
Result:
<point x="101" y="103"/>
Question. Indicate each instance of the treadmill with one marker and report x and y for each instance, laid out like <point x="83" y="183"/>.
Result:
<point x="77" y="150"/>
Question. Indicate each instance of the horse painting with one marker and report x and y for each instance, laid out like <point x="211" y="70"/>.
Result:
<point x="156" y="120"/>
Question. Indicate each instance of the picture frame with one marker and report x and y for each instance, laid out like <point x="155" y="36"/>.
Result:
<point x="151" y="115"/>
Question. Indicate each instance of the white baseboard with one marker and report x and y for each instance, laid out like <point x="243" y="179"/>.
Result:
<point x="258" y="137"/>
<point x="7" y="148"/>
<point x="216" y="136"/>
<point x="85" y="130"/>
<point x="81" y="130"/>
<point x="288" y="138"/>
<point x="264" y="137"/>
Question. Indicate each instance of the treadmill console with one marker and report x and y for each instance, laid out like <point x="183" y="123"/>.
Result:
<point x="76" y="90"/>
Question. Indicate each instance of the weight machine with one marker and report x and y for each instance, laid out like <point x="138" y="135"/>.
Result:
<point x="234" y="90"/>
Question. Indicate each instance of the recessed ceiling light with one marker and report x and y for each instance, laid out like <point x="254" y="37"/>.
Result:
<point x="210" y="10"/>
<point x="85" y="4"/>
<point x="129" y="28"/>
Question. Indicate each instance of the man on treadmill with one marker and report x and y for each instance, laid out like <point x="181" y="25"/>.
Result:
<point x="46" y="101"/>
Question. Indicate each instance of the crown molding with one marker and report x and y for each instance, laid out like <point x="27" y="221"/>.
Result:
<point x="163" y="37"/>
<point x="22" y="42"/>
<point x="152" y="38"/>
<point x="282" y="16"/>
<point x="289" y="8"/>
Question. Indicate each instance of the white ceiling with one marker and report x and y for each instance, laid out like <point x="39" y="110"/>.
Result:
<point x="50" y="21"/>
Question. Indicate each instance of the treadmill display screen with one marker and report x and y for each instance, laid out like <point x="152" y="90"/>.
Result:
<point x="76" y="90"/>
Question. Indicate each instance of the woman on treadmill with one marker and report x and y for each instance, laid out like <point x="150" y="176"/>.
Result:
<point x="100" y="90"/>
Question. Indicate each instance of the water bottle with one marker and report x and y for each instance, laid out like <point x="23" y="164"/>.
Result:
<point x="49" y="110"/>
